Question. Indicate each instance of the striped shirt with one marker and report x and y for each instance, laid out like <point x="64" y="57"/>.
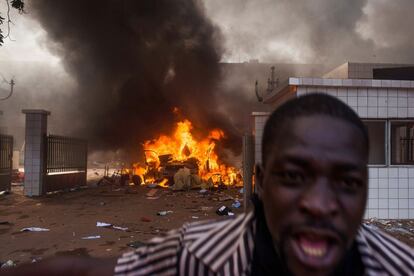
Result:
<point x="226" y="248"/>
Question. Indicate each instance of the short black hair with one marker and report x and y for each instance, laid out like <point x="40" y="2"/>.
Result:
<point x="310" y="104"/>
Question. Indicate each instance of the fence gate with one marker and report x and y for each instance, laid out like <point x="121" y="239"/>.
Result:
<point x="6" y="162"/>
<point x="66" y="163"/>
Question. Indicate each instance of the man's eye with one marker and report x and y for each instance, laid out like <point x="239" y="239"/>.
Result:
<point x="350" y="183"/>
<point x="291" y="177"/>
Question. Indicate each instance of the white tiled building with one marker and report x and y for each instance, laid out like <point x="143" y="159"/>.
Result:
<point x="387" y="109"/>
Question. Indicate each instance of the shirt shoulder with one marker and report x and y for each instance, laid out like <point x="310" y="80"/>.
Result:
<point x="382" y="253"/>
<point x="162" y="255"/>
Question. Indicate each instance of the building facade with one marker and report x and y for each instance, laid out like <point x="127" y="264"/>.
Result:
<point x="387" y="109"/>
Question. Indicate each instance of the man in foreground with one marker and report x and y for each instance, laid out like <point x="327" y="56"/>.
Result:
<point x="311" y="195"/>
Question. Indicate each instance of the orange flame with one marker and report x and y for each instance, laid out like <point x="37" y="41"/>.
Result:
<point x="182" y="146"/>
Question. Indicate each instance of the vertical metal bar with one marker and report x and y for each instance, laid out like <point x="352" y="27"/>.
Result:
<point x="248" y="164"/>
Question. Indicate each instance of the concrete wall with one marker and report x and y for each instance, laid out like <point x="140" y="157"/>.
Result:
<point x="391" y="187"/>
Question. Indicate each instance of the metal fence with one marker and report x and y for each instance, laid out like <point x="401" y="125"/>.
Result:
<point x="6" y="162"/>
<point x="65" y="154"/>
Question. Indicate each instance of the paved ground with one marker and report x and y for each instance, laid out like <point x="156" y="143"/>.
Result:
<point x="73" y="215"/>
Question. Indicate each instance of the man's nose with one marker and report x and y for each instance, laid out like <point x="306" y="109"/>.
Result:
<point x="320" y="199"/>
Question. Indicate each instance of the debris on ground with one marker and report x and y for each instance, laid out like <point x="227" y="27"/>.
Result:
<point x="146" y="219"/>
<point x="4" y="192"/>
<point x="236" y="204"/>
<point x="224" y="211"/>
<point x="203" y="191"/>
<point x="91" y="237"/>
<point x="164" y="213"/>
<point x="120" y="228"/>
<point x="34" y="229"/>
<point x="151" y="193"/>
<point x="194" y="217"/>
<point x="136" y="244"/>
<point x="7" y="264"/>
<point x="103" y="224"/>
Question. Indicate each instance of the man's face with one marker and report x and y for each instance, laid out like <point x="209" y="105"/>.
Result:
<point x="314" y="187"/>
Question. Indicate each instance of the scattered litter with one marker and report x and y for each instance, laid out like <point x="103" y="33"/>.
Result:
<point x="4" y="222"/>
<point x="145" y="219"/>
<point x="4" y="192"/>
<point x="236" y="204"/>
<point x="194" y="217"/>
<point x="224" y="211"/>
<point x="225" y="198"/>
<point x="136" y="244"/>
<point x="34" y="229"/>
<point x="152" y="185"/>
<point x="241" y="191"/>
<point x="36" y="259"/>
<point x="230" y="214"/>
<point x="120" y="228"/>
<point x="39" y="204"/>
<point x="164" y="213"/>
<point x="7" y="264"/>
<point x="206" y="208"/>
<point x="91" y="237"/>
<point x="102" y="203"/>
<point x="151" y="194"/>
<point x="203" y="191"/>
<point x="116" y="190"/>
<point x="103" y="224"/>
<point x="108" y="249"/>
<point x="153" y="197"/>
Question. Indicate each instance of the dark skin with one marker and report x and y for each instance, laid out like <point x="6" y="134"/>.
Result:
<point x="313" y="186"/>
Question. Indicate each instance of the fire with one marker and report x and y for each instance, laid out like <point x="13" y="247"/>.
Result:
<point x="182" y="150"/>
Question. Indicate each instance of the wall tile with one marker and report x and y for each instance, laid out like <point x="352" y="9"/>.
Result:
<point x="373" y="203"/>
<point x="383" y="101"/>
<point x="373" y="172"/>
<point x="373" y="213"/>
<point x="402" y="203"/>
<point x="403" y="183"/>
<point x="383" y="172"/>
<point x="402" y="172"/>
<point x="383" y="193"/>
<point x="383" y="213"/>
<point x="402" y="112"/>
<point x="402" y="102"/>
<point x="392" y="102"/>
<point x="353" y="101"/>
<point x="373" y="183"/>
<point x="393" y="213"/>
<point x="372" y="112"/>
<point x="362" y="101"/>
<point x="402" y="194"/>
<point x="393" y="193"/>
<point x="393" y="172"/>
<point x="362" y="112"/>
<point x="373" y="101"/>
<point x="383" y="183"/>
<point x="393" y="112"/>
<point x="382" y="112"/>
<point x="373" y="193"/>
<point x="403" y="213"/>
<point x="383" y="203"/>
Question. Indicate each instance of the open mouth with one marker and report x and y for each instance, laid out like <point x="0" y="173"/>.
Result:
<point x="317" y="250"/>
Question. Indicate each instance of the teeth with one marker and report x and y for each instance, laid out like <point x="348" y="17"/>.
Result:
<point x="314" y="252"/>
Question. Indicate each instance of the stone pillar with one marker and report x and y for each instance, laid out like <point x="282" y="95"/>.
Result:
<point x="34" y="152"/>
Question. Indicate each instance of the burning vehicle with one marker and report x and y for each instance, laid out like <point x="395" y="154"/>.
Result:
<point x="182" y="162"/>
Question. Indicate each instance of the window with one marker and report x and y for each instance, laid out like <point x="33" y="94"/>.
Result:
<point x="402" y="143"/>
<point x="376" y="134"/>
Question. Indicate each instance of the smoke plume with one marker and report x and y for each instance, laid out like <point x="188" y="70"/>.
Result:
<point x="134" y="61"/>
<point x="318" y="31"/>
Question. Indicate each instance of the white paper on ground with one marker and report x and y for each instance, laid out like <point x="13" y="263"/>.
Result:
<point x="34" y="229"/>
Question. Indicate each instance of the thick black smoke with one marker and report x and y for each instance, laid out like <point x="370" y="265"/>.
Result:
<point x="134" y="61"/>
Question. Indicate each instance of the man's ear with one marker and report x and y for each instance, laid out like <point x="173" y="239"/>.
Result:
<point x="258" y="180"/>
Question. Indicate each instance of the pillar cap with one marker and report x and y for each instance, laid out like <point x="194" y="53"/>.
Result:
<point x="35" y="111"/>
